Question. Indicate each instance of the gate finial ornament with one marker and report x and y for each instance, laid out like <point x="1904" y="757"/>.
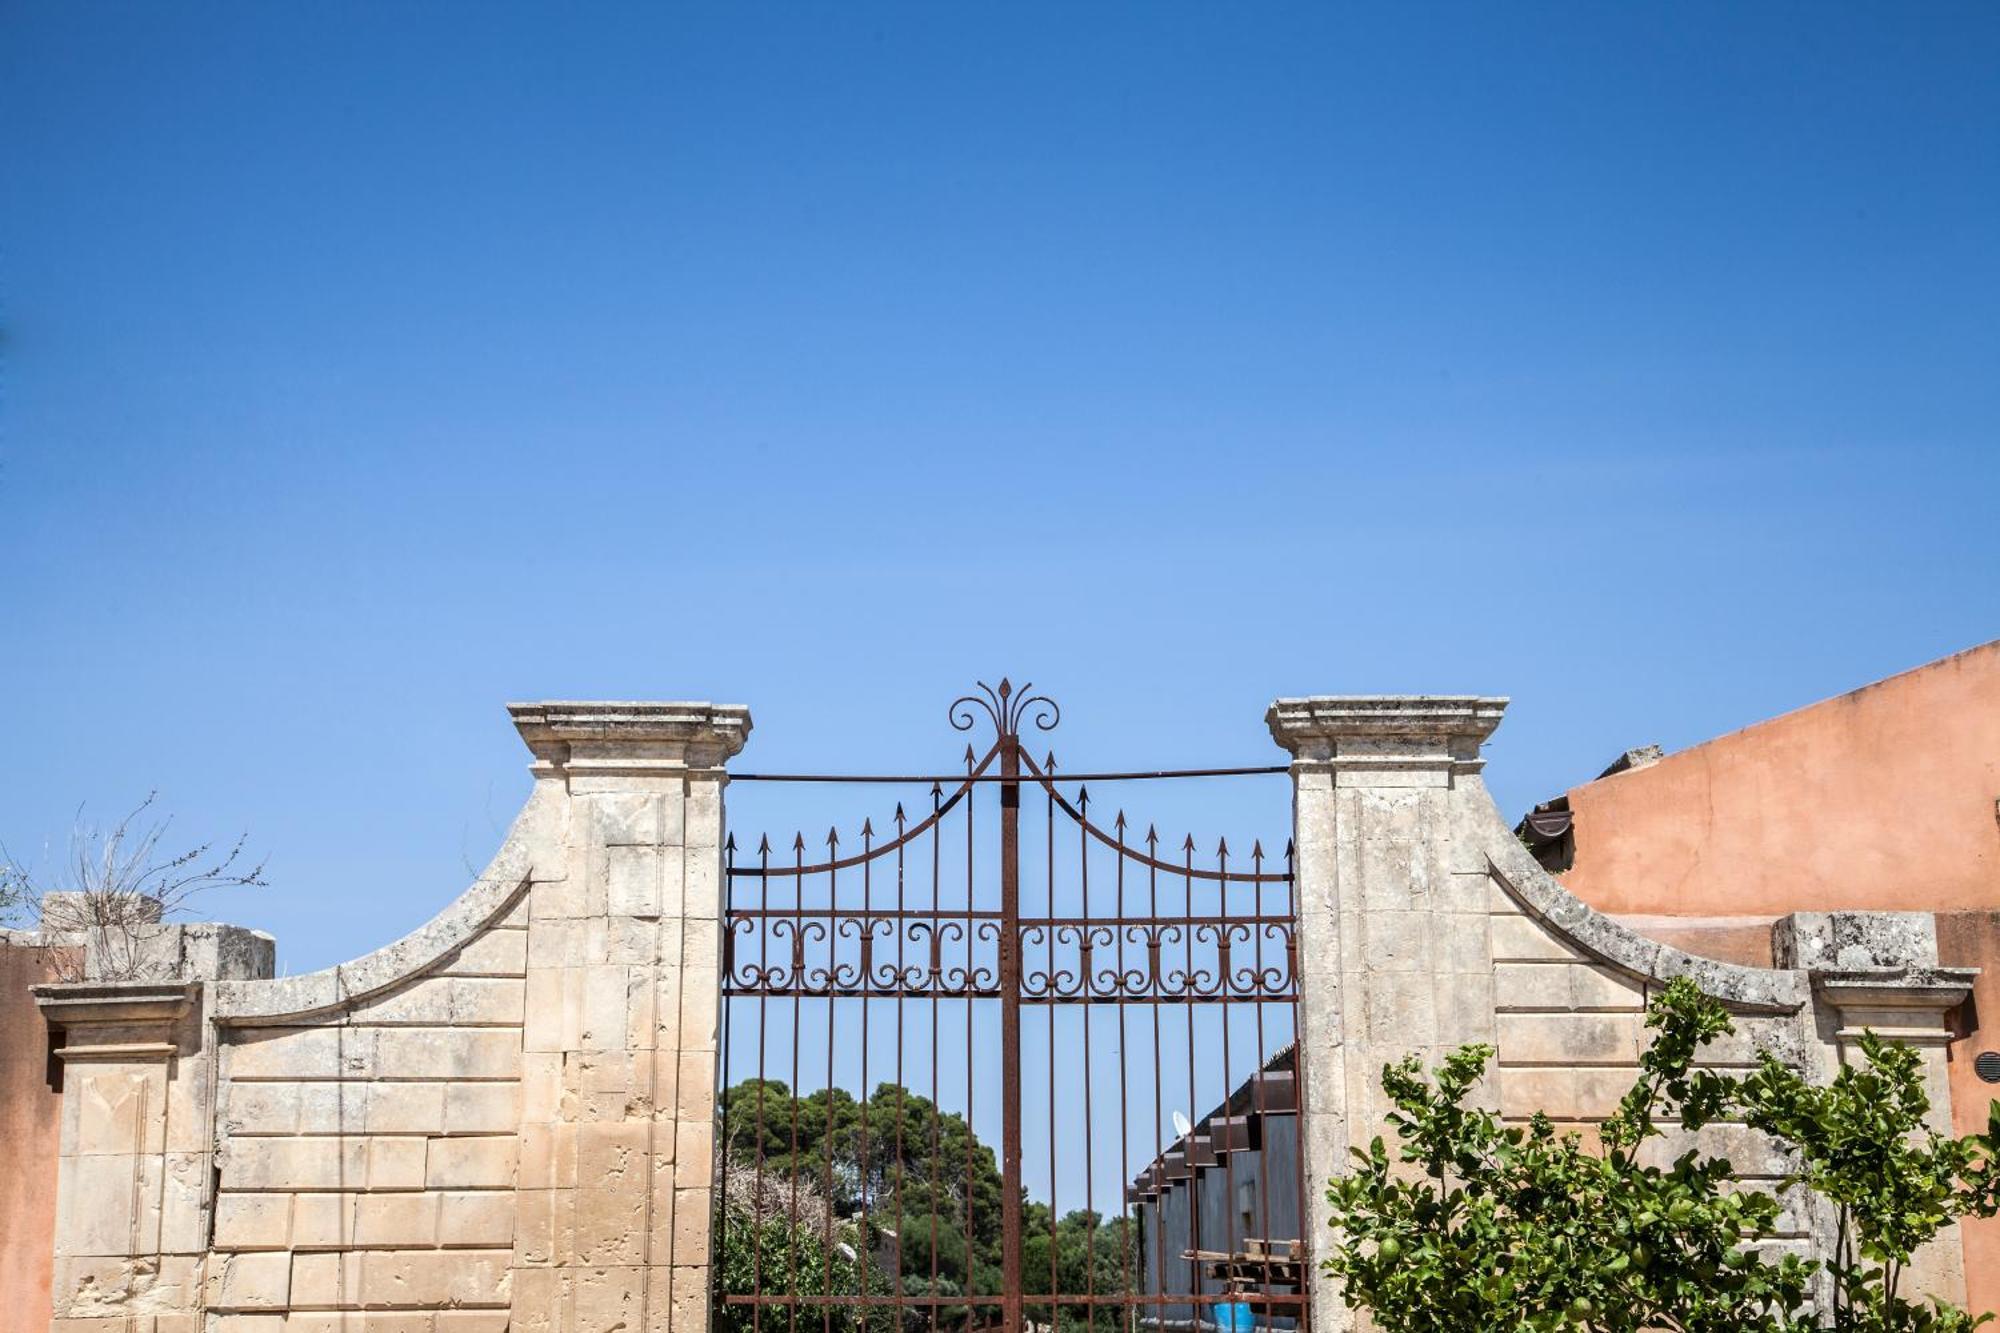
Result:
<point x="1005" y="707"/>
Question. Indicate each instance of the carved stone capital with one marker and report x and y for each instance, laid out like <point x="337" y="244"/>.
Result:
<point x="122" y="1021"/>
<point x="1393" y="740"/>
<point x="1900" y="1004"/>
<point x="628" y="740"/>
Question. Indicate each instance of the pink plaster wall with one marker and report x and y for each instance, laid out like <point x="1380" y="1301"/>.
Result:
<point x="1972" y="939"/>
<point x="30" y="1132"/>
<point x="1882" y="799"/>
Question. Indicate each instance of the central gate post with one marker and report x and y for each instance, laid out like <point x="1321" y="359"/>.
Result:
<point x="1392" y="930"/>
<point x="1010" y="1030"/>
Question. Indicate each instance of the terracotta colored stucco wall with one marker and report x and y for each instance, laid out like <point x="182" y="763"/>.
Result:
<point x="1882" y="800"/>
<point x="30" y="1129"/>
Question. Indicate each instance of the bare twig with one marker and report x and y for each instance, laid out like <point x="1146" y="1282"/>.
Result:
<point x="117" y="884"/>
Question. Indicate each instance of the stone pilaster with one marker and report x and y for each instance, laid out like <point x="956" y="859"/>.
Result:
<point x="137" y="1149"/>
<point x="1878" y="972"/>
<point x="623" y="996"/>
<point x="131" y="1211"/>
<point x="1392" y="909"/>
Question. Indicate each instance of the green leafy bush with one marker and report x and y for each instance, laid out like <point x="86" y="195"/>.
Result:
<point x="1475" y="1226"/>
<point x="827" y="1195"/>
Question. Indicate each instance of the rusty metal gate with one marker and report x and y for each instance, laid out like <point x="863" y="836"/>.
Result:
<point x="892" y="995"/>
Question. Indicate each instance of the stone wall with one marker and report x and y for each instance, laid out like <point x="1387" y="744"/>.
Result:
<point x="504" y="1120"/>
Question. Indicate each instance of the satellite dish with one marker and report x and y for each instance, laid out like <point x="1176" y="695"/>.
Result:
<point x="1181" y="1125"/>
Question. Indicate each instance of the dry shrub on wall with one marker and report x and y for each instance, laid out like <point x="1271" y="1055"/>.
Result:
<point x="112" y="890"/>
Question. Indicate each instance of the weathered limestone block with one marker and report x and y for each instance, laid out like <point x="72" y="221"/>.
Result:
<point x="482" y="1108"/>
<point x="297" y="1053"/>
<point x="432" y="1279"/>
<point x="326" y="1280"/>
<point x="1563" y="1093"/>
<point x="1518" y="938"/>
<point x="156" y="1286"/>
<point x="328" y="1162"/>
<point x="253" y="1222"/>
<point x="495" y="953"/>
<point x="322" y="1221"/>
<point x="451" y="1053"/>
<point x="448" y="1001"/>
<point x="1558" y="987"/>
<point x="395" y="1221"/>
<point x="485" y="1162"/>
<point x="1571" y="1039"/>
<point x="476" y="1218"/>
<point x="257" y="1281"/>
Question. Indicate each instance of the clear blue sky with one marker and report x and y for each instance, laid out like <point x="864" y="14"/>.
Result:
<point x="368" y="366"/>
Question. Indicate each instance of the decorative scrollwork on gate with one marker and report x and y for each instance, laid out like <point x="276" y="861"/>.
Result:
<point x="1156" y="959"/>
<point x="1208" y="955"/>
<point x="828" y="953"/>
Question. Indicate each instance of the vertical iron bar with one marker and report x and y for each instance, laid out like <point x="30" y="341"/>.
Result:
<point x="726" y="1010"/>
<point x="1055" y="1244"/>
<point x="1194" y="1108"/>
<point x="937" y="1117"/>
<point x="971" y="939"/>
<point x="798" y="1004"/>
<point x="763" y="1021"/>
<point x="1255" y="1105"/>
<point x="1222" y="1010"/>
<point x="1089" y="1132"/>
<point x="864" y="1250"/>
<point x="1129" y="1277"/>
<point x="902" y="1088"/>
<point x="1155" y="939"/>
<point x="832" y="1012"/>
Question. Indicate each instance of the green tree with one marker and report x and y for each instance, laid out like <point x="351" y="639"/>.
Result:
<point x="772" y="1253"/>
<point x="908" y="1189"/>
<point x="1476" y="1226"/>
<point x="1893" y="1182"/>
<point x="1094" y="1256"/>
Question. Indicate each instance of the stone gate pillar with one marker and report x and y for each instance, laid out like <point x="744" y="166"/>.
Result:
<point x="1392" y="929"/>
<point x="619" y="1064"/>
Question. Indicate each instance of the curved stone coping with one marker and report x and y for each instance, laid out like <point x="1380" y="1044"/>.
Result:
<point x="315" y="994"/>
<point x="1542" y="896"/>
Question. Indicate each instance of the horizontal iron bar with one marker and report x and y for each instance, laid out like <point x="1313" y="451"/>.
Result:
<point x="948" y="915"/>
<point x="1142" y="775"/>
<point x="1288" y="995"/>
<point x="1029" y="1298"/>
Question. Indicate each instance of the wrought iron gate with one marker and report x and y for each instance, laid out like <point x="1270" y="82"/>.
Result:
<point x="913" y="958"/>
